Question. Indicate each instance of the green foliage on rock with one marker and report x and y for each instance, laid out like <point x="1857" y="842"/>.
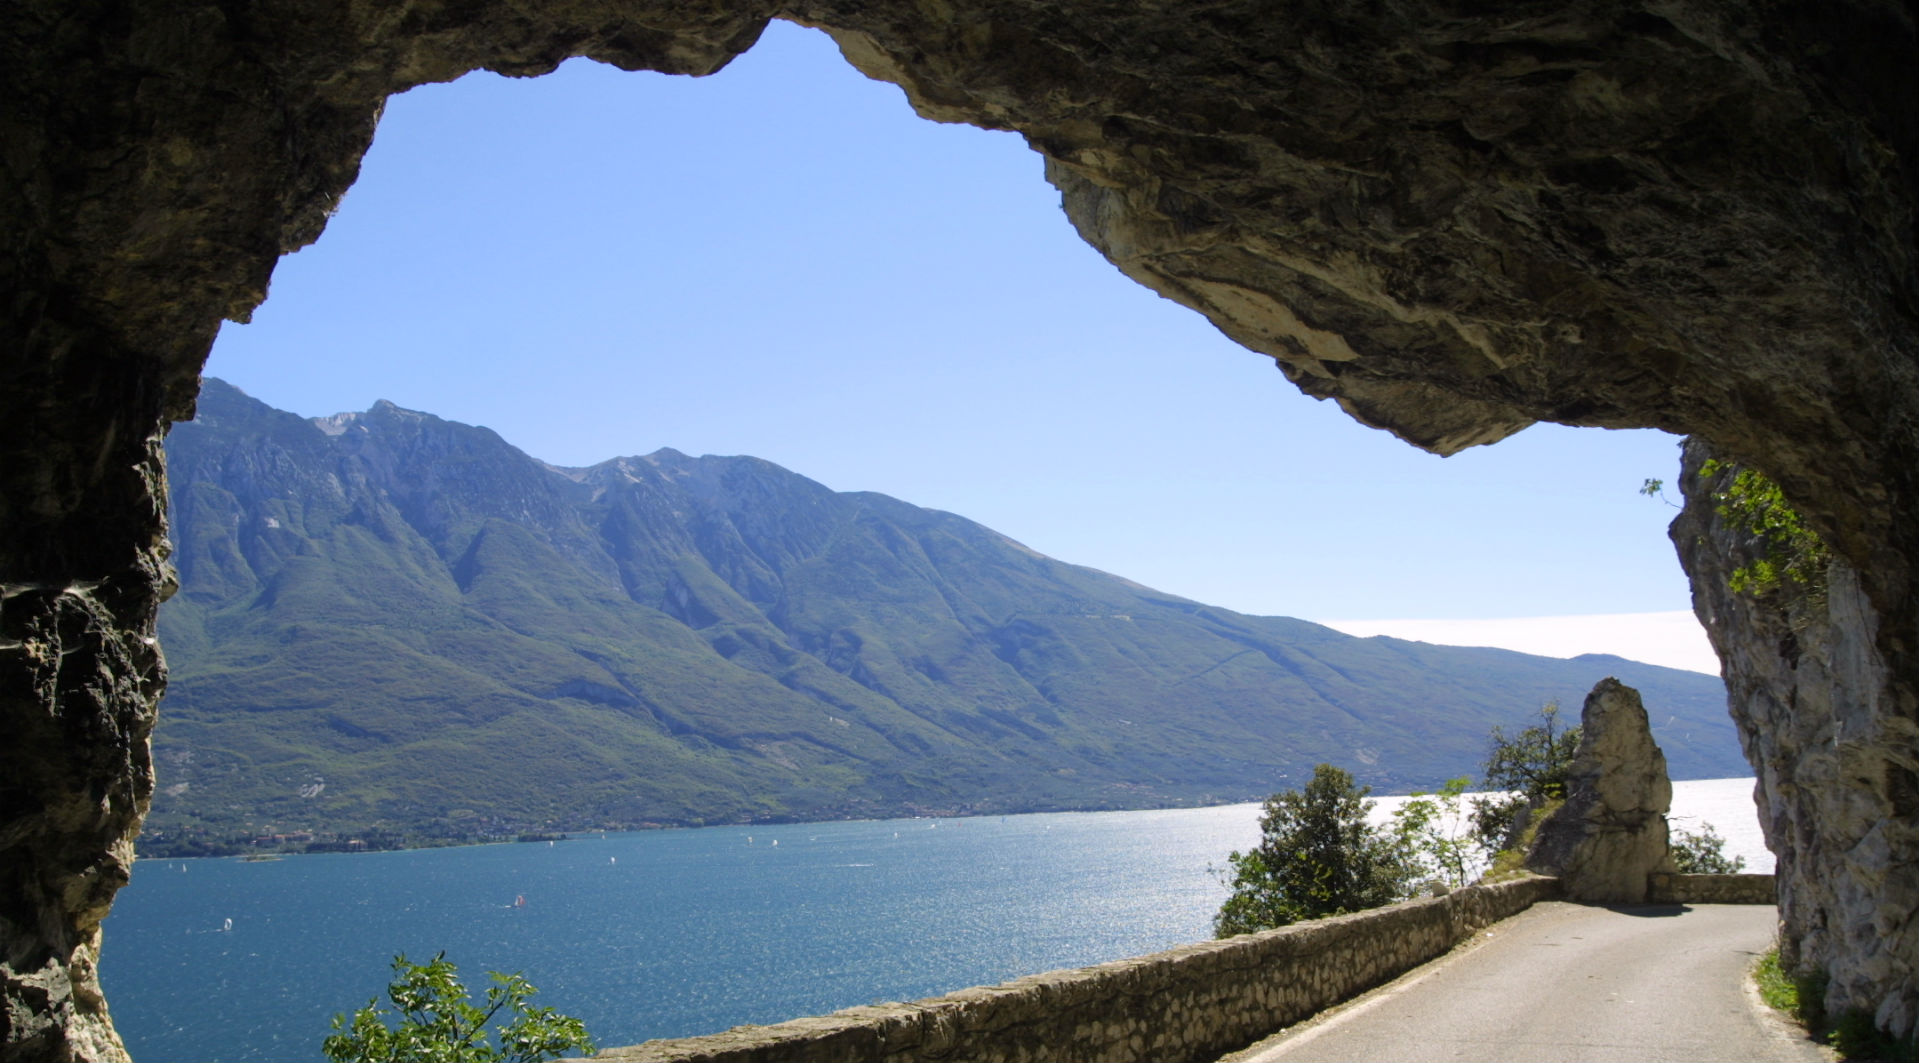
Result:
<point x="1317" y="856"/>
<point x="1853" y="1035"/>
<point x="1510" y="861"/>
<point x="437" y="1022"/>
<point x="1791" y="551"/>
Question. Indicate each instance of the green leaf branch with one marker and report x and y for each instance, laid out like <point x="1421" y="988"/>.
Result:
<point x="439" y="1023"/>
<point x="1792" y="552"/>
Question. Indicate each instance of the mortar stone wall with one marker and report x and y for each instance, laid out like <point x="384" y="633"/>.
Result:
<point x="1666" y="887"/>
<point x="1194" y="1002"/>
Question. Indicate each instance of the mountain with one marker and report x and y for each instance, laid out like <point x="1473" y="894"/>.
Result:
<point x="402" y="627"/>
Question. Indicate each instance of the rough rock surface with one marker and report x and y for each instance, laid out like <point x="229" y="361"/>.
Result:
<point x="1611" y="832"/>
<point x="1453" y="219"/>
<point x="1836" y="751"/>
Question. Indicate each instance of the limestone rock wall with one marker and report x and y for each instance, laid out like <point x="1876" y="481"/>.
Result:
<point x="1452" y="219"/>
<point x="82" y="570"/>
<point x="1828" y="726"/>
<point x="1193" y="1002"/>
<point x="1611" y="832"/>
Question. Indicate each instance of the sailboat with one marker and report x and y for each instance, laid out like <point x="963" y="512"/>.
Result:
<point x="519" y="900"/>
<point x="228" y="926"/>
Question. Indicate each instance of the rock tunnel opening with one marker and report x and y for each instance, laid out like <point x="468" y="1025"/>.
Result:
<point x="925" y="312"/>
<point x="1686" y="218"/>
<point x="366" y="298"/>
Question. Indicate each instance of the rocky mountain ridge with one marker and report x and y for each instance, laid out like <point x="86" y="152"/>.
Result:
<point x="404" y="627"/>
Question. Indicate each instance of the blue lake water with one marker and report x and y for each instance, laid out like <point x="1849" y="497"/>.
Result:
<point x="674" y="933"/>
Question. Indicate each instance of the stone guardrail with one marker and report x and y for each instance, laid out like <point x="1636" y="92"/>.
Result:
<point x="1666" y="887"/>
<point x="1193" y="1002"/>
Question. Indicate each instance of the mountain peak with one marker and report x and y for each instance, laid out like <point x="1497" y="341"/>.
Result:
<point x="382" y="411"/>
<point x="336" y="424"/>
<point x="426" y="617"/>
<point x="387" y="409"/>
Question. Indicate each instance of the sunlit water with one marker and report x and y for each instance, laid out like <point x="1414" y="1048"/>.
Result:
<point x="672" y="933"/>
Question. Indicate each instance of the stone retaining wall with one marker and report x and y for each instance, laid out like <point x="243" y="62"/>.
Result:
<point x="1665" y="887"/>
<point x="1193" y="1002"/>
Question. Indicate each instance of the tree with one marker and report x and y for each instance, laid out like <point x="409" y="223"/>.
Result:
<point x="1317" y="856"/>
<point x="438" y="1023"/>
<point x="1536" y="761"/>
<point x="1531" y="768"/>
<point x="1703" y="853"/>
<point x="1427" y="829"/>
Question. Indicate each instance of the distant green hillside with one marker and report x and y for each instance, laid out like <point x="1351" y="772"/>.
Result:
<point x="398" y="626"/>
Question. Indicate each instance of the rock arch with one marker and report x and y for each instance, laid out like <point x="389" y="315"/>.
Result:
<point x="1695" y="215"/>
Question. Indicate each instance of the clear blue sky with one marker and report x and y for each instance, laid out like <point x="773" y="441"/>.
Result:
<point x="783" y="260"/>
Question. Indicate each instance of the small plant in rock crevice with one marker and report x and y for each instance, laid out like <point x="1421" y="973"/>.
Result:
<point x="1852" y="1034"/>
<point x="1793" y="552"/>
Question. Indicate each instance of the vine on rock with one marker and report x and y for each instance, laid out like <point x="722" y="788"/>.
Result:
<point x="1793" y="552"/>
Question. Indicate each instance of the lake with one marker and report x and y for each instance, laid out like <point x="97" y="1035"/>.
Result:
<point x="674" y="933"/>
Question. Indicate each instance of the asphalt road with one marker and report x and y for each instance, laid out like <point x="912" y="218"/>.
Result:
<point x="1565" y="982"/>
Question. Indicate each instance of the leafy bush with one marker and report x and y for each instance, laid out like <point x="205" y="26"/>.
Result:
<point x="1431" y="832"/>
<point x="1510" y="862"/>
<point x="1317" y="856"/>
<point x="439" y="1024"/>
<point x="1703" y="853"/>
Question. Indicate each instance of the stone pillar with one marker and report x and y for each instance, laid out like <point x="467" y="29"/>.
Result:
<point x="1611" y="832"/>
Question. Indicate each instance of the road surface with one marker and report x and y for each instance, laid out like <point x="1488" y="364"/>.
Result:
<point x="1561" y="983"/>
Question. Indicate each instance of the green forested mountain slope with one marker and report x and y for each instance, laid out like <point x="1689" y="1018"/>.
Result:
<point x="392" y="623"/>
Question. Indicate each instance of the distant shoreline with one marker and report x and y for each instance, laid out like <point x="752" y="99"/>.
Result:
<point x="239" y="851"/>
<point x="532" y="838"/>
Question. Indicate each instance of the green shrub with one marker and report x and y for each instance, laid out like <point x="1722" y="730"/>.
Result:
<point x="1317" y="856"/>
<point x="1703" y="853"/>
<point x="1433" y="838"/>
<point x="1527" y="771"/>
<point x="439" y="1024"/>
<point x="1852" y="1034"/>
<point x="1536" y="761"/>
<point x="1510" y="862"/>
